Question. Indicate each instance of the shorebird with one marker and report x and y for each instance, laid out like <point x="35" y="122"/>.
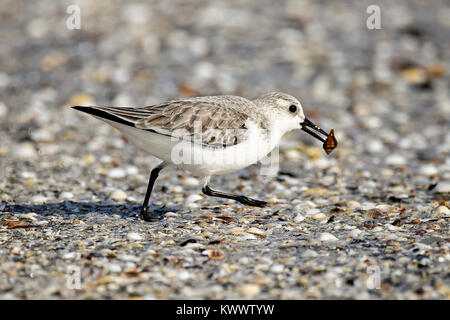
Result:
<point x="210" y="135"/>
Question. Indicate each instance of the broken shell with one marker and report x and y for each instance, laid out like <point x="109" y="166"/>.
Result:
<point x="330" y="143"/>
<point x="215" y="254"/>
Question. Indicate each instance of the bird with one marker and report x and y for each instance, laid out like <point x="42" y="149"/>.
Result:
<point x="210" y="135"/>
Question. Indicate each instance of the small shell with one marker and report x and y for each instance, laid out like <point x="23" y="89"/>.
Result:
<point x="330" y="143"/>
<point x="216" y="254"/>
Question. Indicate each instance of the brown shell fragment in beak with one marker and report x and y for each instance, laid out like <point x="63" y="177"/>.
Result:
<point x="330" y="143"/>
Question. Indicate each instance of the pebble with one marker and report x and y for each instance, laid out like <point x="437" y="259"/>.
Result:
<point x="308" y="253"/>
<point x="184" y="275"/>
<point x="428" y="170"/>
<point x="118" y="195"/>
<point x="70" y="255"/>
<point x="191" y="181"/>
<point x="374" y="213"/>
<point x="132" y="170"/>
<point x="319" y="216"/>
<point x="243" y="260"/>
<point x="383" y="207"/>
<point x="193" y="198"/>
<point x="117" y="173"/>
<point x="28" y="216"/>
<point x="25" y="150"/>
<point x="312" y="212"/>
<point x="441" y="212"/>
<point x="134" y="236"/>
<point x="375" y="146"/>
<point x="395" y="160"/>
<point x="443" y="187"/>
<point x="299" y="218"/>
<point x="326" y="236"/>
<point x="3" y="110"/>
<point x="176" y="189"/>
<point x="277" y="268"/>
<point x="352" y="204"/>
<point x="42" y="135"/>
<point x="39" y="199"/>
<point x="249" y="236"/>
<point x="66" y="195"/>
<point x="113" y="267"/>
<point x="256" y="231"/>
<point x="354" y="233"/>
<point x="249" y="290"/>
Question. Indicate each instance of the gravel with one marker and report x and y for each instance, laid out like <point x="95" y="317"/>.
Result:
<point x="369" y="221"/>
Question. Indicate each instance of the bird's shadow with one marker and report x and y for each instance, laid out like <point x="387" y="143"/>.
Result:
<point x="83" y="208"/>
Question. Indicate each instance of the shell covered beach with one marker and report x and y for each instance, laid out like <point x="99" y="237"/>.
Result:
<point x="368" y="221"/>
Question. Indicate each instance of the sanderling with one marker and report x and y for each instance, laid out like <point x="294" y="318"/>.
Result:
<point x="210" y="135"/>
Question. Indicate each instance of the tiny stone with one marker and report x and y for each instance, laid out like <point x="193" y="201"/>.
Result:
<point x="114" y="268"/>
<point x="249" y="236"/>
<point x="325" y="236"/>
<point x="309" y="254"/>
<point x="375" y="146"/>
<point x="183" y="275"/>
<point x="193" y="198"/>
<point x="243" y="260"/>
<point x="299" y="218"/>
<point x="28" y="216"/>
<point x="256" y="231"/>
<point x="428" y="170"/>
<point x="117" y="173"/>
<point x="25" y="150"/>
<point x="191" y="181"/>
<point x="249" y="290"/>
<point x="69" y="255"/>
<point x="171" y="214"/>
<point x="118" y="195"/>
<point x="383" y="207"/>
<point x="177" y="189"/>
<point x="134" y="236"/>
<point x="3" y="110"/>
<point x="395" y="160"/>
<point x="277" y="268"/>
<point x="352" y="204"/>
<point x="39" y="199"/>
<point x="354" y="233"/>
<point x="441" y="212"/>
<point x="131" y="170"/>
<point x="319" y="216"/>
<point x="66" y="195"/>
<point x="443" y="187"/>
<point x="374" y="213"/>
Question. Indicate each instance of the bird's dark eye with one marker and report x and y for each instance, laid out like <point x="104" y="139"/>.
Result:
<point x="293" y="108"/>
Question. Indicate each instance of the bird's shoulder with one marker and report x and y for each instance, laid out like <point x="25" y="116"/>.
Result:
<point x="209" y="112"/>
<point x="219" y="120"/>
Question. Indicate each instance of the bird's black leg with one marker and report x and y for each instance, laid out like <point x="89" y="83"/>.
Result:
<point x="242" y="199"/>
<point x="145" y="215"/>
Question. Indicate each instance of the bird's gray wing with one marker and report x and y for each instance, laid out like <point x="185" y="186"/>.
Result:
<point x="216" y="123"/>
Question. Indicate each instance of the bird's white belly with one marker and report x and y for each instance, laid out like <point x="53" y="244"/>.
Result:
<point x="198" y="159"/>
<point x="207" y="161"/>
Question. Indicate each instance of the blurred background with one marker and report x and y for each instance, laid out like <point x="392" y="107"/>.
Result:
<point x="384" y="91"/>
<point x="379" y="88"/>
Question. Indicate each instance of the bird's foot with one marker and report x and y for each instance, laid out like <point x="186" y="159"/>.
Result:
<point x="149" y="216"/>
<point x="252" y="202"/>
<point x="154" y="213"/>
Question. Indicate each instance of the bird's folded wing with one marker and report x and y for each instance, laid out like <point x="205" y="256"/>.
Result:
<point x="207" y="122"/>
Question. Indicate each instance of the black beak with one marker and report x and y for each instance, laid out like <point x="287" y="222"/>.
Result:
<point x="315" y="129"/>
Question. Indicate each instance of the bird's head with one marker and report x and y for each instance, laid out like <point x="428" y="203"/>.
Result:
<point x="290" y="113"/>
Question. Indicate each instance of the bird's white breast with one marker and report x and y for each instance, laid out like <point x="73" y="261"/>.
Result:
<point x="205" y="161"/>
